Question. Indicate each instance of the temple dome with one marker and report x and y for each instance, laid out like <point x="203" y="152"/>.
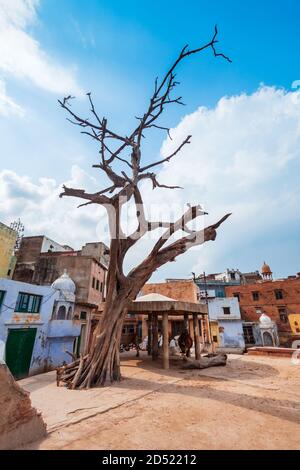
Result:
<point x="65" y="284"/>
<point x="265" y="321"/>
<point x="266" y="269"/>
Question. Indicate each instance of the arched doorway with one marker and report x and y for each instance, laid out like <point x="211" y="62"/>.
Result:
<point x="267" y="339"/>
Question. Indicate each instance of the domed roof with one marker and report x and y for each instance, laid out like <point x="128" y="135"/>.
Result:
<point x="264" y="320"/>
<point x="64" y="283"/>
<point x="266" y="269"/>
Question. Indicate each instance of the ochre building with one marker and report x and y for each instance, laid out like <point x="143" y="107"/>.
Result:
<point x="8" y="239"/>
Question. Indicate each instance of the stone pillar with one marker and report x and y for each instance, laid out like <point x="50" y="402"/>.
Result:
<point x="154" y="337"/>
<point x="196" y="336"/>
<point x="186" y="322"/>
<point x="210" y="340"/>
<point x="165" y="341"/>
<point x="149" y="346"/>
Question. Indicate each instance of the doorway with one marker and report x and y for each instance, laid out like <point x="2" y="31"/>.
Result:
<point x="267" y="339"/>
<point x="18" y="351"/>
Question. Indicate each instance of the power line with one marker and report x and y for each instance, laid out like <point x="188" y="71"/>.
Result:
<point x="12" y="306"/>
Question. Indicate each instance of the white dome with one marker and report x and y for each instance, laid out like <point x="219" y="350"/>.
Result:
<point x="64" y="283"/>
<point x="264" y="320"/>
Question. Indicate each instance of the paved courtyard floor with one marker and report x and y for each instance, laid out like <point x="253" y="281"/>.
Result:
<point x="252" y="403"/>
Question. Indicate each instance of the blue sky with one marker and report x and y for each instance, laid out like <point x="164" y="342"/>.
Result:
<point x="115" y="49"/>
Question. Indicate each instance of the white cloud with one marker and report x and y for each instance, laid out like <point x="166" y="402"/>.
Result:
<point x="22" y="57"/>
<point x="244" y="158"/>
<point x="43" y="212"/>
<point x="7" y="104"/>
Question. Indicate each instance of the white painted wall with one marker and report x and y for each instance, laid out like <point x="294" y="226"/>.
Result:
<point x="50" y="244"/>
<point x="48" y="350"/>
<point x="215" y="308"/>
<point x="226" y="276"/>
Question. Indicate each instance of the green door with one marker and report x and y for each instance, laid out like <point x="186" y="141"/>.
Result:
<point x="19" y="346"/>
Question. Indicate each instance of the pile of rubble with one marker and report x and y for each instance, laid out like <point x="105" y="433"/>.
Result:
<point x="20" y="423"/>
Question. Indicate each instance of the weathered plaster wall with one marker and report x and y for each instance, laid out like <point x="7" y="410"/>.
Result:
<point x="53" y="338"/>
<point x="216" y="306"/>
<point x="7" y="242"/>
<point x="231" y="334"/>
<point x="230" y="325"/>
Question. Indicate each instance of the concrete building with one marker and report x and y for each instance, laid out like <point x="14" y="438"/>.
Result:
<point x="278" y="299"/>
<point x="37" y="325"/>
<point x="8" y="239"/>
<point x="230" y="277"/>
<point x="226" y="312"/>
<point x="41" y="261"/>
<point x="31" y="248"/>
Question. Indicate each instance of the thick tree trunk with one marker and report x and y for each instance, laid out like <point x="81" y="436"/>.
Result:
<point x="102" y="364"/>
<point x="205" y="362"/>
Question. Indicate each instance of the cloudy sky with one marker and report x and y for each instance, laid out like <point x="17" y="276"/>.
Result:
<point x="244" y="118"/>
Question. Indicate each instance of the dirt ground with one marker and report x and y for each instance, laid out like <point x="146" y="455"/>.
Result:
<point x="252" y="403"/>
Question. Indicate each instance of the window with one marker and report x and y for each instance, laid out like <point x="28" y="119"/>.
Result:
<point x="93" y="283"/>
<point x="128" y="329"/>
<point x="283" y="315"/>
<point x="28" y="303"/>
<point x="237" y="295"/>
<point x="258" y="310"/>
<point x="255" y="296"/>
<point x="278" y="294"/>
<point x="226" y="310"/>
<point x="97" y="284"/>
<point x="101" y="286"/>
<point x="232" y="276"/>
<point x="61" y="314"/>
<point x="215" y="339"/>
<point x="248" y="334"/>
<point x="70" y="312"/>
<point x="2" y="294"/>
<point x="82" y="315"/>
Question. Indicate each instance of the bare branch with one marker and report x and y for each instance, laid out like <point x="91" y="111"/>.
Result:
<point x="167" y="159"/>
<point x="94" y="198"/>
<point x="170" y="252"/>
<point x="155" y="183"/>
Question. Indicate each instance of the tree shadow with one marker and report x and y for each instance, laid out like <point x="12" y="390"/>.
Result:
<point x="279" y="408"/>
<point x="235" y="368"/>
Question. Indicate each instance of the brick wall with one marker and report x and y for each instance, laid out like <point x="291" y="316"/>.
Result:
<point x="266" y="301"/>
<point x="185" y="291"/>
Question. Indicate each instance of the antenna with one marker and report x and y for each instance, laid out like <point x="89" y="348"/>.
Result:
<point x="18" y="227"/>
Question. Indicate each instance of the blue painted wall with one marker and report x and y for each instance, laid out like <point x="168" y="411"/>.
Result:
<point x="53" y="338"/>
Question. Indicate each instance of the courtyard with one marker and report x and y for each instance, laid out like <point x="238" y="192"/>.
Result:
<point x="252" y="403"/>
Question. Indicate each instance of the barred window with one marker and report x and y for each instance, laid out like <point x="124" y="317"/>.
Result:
<point x="28" y="303"/>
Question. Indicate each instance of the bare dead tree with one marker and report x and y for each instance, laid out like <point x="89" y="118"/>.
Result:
<point x="102" y="363"/>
